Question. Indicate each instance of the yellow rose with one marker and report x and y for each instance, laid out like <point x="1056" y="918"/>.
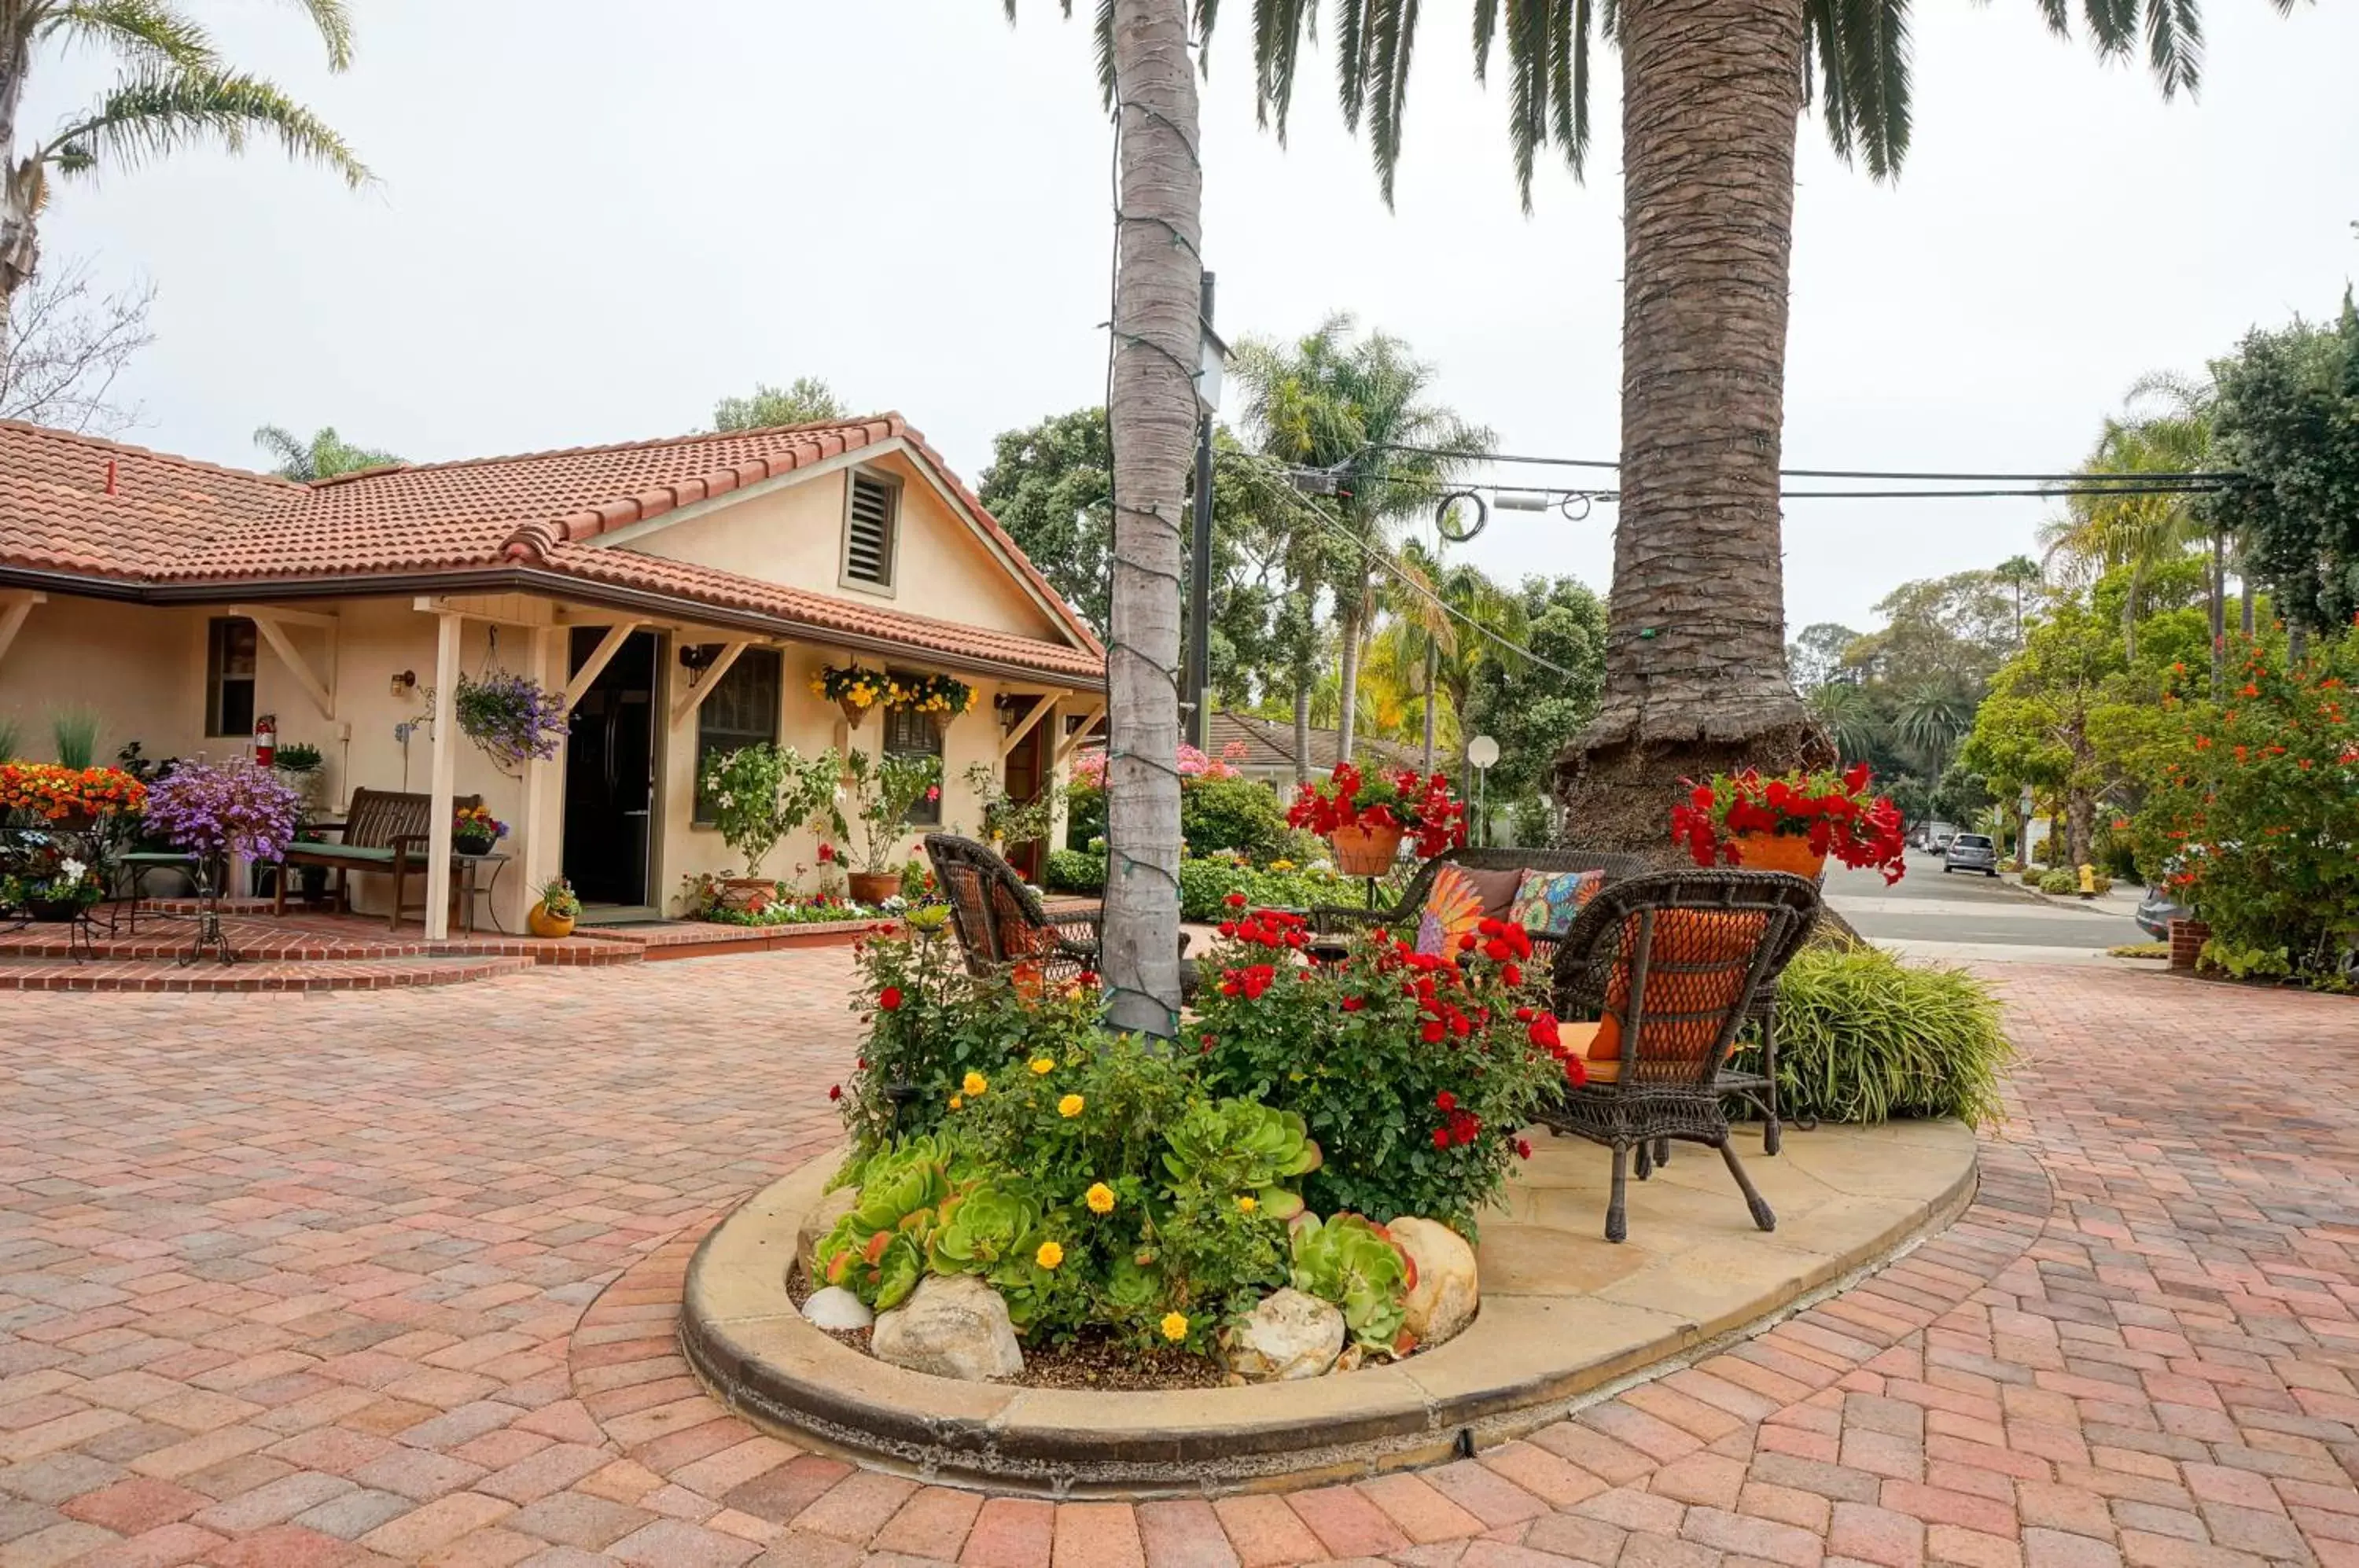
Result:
<point x="957" y="1104"/>
<point x="1071" y="1106"/>
<point x="1050" y="1255"/>
<point x="975" y="1084"/>
<point x="1247" y="1203"/>
<point x="1174" y="1326"/>
<point x="1043" y="1065"/>
<point x="1100" y="1198"/>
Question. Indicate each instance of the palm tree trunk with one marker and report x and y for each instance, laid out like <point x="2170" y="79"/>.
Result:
<point x="1431" y="657"/>
<point x="1153" y="421"/>
<point x="20" y="250"/>
<point x="1348" y="619"/>
<point x="1301" y="727"/>
<point x="1695" y="654"/>
<point x="2245" y="601"/>
<point x="2218" y="596"/>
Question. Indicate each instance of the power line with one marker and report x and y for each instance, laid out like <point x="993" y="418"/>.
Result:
<point x="2225" y="476"/>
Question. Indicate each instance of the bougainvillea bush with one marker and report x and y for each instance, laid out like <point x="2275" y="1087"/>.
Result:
<point x="2255" y="809"/>
<point x="1834" y="812"/>
<point x="1414" y="1072"/>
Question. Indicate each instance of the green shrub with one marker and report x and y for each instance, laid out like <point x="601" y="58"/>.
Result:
<point x="1085" y="813"/>
<point x="2059" y="881"/>
<point x="2032" y="875"/>
<point x="1864" y="1037"/>
<point x="1073" y="871"/>
<point x="1234" y="814"/>
<point x="1205" y="887"/>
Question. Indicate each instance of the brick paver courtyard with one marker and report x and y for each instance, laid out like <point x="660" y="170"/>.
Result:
<point x="390" y="1276"/>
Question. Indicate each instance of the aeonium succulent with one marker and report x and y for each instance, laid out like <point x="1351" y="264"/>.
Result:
<point x="983" y="1226"/>
<point x="1354" y="1264"/>
<point x="1243" y="1148"/>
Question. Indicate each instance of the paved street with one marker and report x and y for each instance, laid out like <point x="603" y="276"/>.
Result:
<point x="1966" y="916"/>
<point x="392" y="1278"/>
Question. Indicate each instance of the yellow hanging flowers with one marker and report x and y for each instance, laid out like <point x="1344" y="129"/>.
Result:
<point x="976" y="1085"/>
<point x="1050" y="1255"/>
<point x="1043" y="1065"/>
<point x="1068" y="1107"/>
<point x="1174" y="1326"/>
<point x="1100" y="1198"/>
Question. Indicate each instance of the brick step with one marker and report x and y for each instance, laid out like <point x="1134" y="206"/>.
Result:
<point x="266" y="941"/>
<point x="151" y="975"/>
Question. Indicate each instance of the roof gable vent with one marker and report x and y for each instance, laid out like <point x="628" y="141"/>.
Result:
<point x="872" y="519"/>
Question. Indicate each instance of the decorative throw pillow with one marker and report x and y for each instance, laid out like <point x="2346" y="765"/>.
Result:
<point x="1453" y="907"/>
<point x="1545" y="901"/>
<point x="1695" y="973"/>
<point x="1498" y="888"/>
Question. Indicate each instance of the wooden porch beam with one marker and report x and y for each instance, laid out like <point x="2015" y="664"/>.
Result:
<point x="13" y="608"/>
<point x="600" y="657"/>
<point x="1071" y="743"/>
<point x="693" y="698"/>
<point x="272" y="623"/>
<point x="1040" y="709"/>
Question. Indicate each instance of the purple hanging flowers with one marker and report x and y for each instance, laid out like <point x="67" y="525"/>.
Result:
<point x="511" y="718"/>
<point x="224" y="808"/>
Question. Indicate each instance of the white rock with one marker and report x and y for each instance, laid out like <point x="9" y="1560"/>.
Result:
<point x="952" y="1326"/>
<point x="1288" y="1335"/>
<point x="1442" y="1300"/>
<point x="837" y="1308"/>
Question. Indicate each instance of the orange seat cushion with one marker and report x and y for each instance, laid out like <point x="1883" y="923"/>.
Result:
<point x="1695" y="973"/>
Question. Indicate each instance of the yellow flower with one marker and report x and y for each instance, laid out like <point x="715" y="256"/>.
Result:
<point x="957" y="1104"/>
<point x="1050" y="1255"/>
<point x="1044" y="1065"/>
<point x="1100" y="1198"/>
<point x="1174" y="1326"/>
<point x="1247" y="1203"/>
<point x="975" y="1084"/>
<point x="1070" y="1106"/>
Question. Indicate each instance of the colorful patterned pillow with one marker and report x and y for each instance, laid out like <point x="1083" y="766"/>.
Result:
<point x="1453" y="907"/>
<point x="1545" y="901"/>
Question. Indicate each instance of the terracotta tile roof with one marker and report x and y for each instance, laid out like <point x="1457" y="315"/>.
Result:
<point x="88" y="507"/>
<point x="1269" y="743"/>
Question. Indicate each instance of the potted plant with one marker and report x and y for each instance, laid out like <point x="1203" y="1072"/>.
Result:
<point x="557" y="910"/>
<point x="883" y="790"/>
<point x="51" y="795"/>
<point x="760" y="794"/>
<point x="215" y="809"/>
<point x="1791" y="822"/>
<point x="928" y="695"/>
<point x="512" y="719"/>
<point x="854" y="687"/>
<point x="473" y="830"/>
<point x="54" y="884"/>
<point x="1364" y="819"/>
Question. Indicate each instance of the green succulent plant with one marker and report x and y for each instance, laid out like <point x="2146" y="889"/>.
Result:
<point x="878" y="1250"/>
<point x="1133" y="1287"/>
<point x="1350" y="1262"/>
<point x="982" y="1227"/>
<point x="1243" y="1148"/>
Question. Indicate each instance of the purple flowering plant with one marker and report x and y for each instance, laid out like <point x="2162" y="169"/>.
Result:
<point x="224" y="808"/>
<point x="511" y="718"/>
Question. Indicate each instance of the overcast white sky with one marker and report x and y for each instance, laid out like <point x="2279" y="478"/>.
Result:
<point x="597" y="217"/>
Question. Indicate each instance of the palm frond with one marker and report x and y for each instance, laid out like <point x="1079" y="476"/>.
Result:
<point x="291" y="451"/>
<point x="335" y="24"/>
<point x="149" y="30"/>
<point x="150" y="114"/>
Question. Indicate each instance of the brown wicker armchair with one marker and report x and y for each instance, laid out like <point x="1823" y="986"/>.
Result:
<point x="1000" y="922"/>
<point x="1672" y="964"/>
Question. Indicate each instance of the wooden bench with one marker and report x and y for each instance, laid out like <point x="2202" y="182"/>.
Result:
<point x="385" y="831"/>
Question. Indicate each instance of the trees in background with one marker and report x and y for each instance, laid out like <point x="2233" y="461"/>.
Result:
<point x="322" y="455"/>
<point x="805" y="400"/>
<point x="175" y="91"/>
<point x="1527" y="707"/>
<point x="65" y="346"/>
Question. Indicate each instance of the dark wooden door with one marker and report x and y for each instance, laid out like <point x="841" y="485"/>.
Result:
<point x="610" y="773"/>
<point x="1028" y="773"/>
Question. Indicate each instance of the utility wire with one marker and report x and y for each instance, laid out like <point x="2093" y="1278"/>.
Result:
<point x="2225" y="476"/>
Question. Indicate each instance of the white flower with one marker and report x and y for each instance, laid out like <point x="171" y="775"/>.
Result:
<point x="724" y="799"/>
<point x="70" y="870"/>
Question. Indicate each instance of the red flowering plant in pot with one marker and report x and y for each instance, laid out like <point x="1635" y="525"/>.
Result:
<point x="1791" y="822"/>
<point x="1364" y="819"/>
<point x="1414" y="1072"/>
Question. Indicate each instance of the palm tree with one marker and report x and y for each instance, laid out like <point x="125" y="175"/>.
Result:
<point x="1327" y="401"/>
<point x="175" y="90"/>
<point x="2019" y="572"/>
<point x="324" y="456"/>
<point x="1849" y="715"/>
<point x="1712" y="94"/>
<point x="1930" y="719"/>
<point x="1447" y="636"/>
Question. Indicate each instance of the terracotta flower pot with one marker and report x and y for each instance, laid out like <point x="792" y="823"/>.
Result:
<point x="1780" y="852"/>
<point x="874" y="887"/>
<point x="1364" y="852"/>
<point x="751" y="893"/>
<point x="541" y="922"/>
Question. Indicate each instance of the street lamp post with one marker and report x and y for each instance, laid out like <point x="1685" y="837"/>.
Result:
<point x="1482" y="751"/>
<point x="1212" y="352"/>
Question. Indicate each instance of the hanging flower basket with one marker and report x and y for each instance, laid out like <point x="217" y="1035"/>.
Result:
<point x="512" y="719"/>
<point x="1363" y="817"/>
<point x="1365" y="851"/>
<point x="854" y="687"/>
<point x="1780" y="852"/>
<point x="1790" y="822"/>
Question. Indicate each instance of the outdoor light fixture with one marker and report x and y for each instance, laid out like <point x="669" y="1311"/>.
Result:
<point x="404" y="682"/>
<point x="696" y="658"/>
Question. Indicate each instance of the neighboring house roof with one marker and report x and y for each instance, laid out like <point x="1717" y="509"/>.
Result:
<point x="155" y="526"/>
<point x="1269" y="744"/>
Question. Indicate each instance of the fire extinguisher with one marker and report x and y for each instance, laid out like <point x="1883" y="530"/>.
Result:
<point x="265" y="739"/>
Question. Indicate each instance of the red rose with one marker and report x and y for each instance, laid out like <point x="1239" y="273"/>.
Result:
<point x="1431" y="1032"/>
<point x="1445" y="1101"/>
<point x="1523" y="1149"/>
<point x="890" y="998"/>
<point x="1234" y="900"/>
<point x="1354" y="1004"/>
<point x="826" y="852"/>
<point x="1512" y="973"/>
<point x="1442" y="1137"/>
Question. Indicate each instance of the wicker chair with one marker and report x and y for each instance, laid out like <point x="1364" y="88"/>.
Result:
<point x="1673" y="962"/>
<point x="1334" y="922"/>
<point x="1000" y="922"/>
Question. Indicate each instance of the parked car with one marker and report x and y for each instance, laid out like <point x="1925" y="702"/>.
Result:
<point x="1970" y="852"/>
<point x="1937" y="835"/>
<point x="2159" y="908"/>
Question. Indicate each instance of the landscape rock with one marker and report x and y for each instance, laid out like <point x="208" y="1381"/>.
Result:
<point x="837" y="1309"/>
<point x="1288" y="1335"/>
<point x="952" y="1326"/>
<point x="1442" y="1300"/>
<point x="817" y="1224"/>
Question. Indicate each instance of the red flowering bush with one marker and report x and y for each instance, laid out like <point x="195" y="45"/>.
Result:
<point x="1414" y="1072"/>
<point x="1834" y="812"/>
<point x="2256" y="811"/>
<point x="49" y="791"/>
<point x="1424" y="809"/>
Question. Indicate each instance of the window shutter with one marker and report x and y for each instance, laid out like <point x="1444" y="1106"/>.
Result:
<point x="868" y="540"/>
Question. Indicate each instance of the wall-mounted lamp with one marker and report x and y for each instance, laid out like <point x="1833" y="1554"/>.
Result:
<point x="696" y="658"/>
<point x="404" y="682"/>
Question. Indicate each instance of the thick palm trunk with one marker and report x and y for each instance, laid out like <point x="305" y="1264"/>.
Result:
<point x="1301" y="727"/>
<point x="2218" y="596"/>
<point x="20" y="249"/>
<point x="1695" y="655"/>
<point x="1431" y="658"/>
<point x="1348" y="619"/>
<point x="1153" y="419"/>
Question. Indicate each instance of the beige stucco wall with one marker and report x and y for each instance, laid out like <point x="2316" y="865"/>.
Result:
<point x="795" y="535"/>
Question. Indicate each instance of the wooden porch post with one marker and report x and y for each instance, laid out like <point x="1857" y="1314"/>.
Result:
<point x="544" y="778"/>
<point x="445" y="774"/>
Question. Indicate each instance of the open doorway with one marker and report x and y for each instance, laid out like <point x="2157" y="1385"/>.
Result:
<point x="610" y="775"/>
<point x="1027" y="776"/>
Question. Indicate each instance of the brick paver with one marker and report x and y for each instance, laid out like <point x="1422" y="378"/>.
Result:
<point x="392" y="1277"/>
